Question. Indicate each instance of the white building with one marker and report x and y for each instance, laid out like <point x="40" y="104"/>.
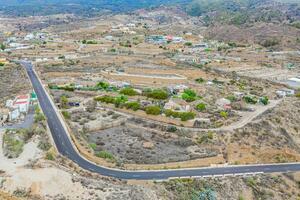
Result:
<point x="285" y="92"/>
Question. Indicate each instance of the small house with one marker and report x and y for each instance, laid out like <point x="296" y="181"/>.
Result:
<point x="223" y="103"/>
<point x="285" y="92"/>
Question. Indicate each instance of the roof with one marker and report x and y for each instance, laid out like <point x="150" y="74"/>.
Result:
<point x="21" y="97"/>
<point x="20" y="102"/>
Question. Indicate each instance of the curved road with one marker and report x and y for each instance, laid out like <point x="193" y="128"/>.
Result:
<point x="65" y="147"/>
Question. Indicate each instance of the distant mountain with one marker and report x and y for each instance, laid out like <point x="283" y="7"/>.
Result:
<point x="80" y="7"/>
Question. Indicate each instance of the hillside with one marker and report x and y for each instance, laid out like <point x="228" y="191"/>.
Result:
<point x="79" y="7"/>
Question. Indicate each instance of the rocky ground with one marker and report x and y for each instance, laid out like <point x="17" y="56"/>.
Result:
<point x="13" y="81"/>
<point x="267" y="187"/>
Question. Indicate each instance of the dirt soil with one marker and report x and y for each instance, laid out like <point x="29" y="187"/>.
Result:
<point x="144" y="147"/>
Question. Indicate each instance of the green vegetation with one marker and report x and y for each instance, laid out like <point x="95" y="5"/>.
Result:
<point x="134" y="105"/>
<point x="200" y="80"/>
<point x="153" y="110"/>
<point x="205" y="138"/>
<point x="89" y="42"/>
<point x="201" y="107"/>
<point x="105" y="155"/>
<point x="224" y="114"/>
<point x="64" y="102"/>
<point x="264" y="100"/>
<point x="105" y="99"/>
<point x="189" y="44"/>
<point x="50" y="156"/>
<point x="120" y="100"/>
<point x="296" y="24"/>
<point x="189" y="95"/>
<point x="250" y="99"/>
<point x="2" y="47"/>
<point x="128" y="91"/>
<point x="39" y="116"/>
<point x="13" y="144"/>
<point x="1" y="64"/>
<point x="66" y="114"/>
<point x="298" y="94"/>
<point x="231" y="98"/>
<point x="269" y="42"/>
<point x="184" y="116"/>
<point x="159" y="94"/>
<point x="93" y="146"/>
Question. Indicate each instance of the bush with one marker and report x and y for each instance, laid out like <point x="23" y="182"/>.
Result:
<point x="128" y="91"/>
<point x="231" y="98"/>
<point x="153" y="110"/>
<point x="133" y="105"/>
<point x="298" y="94"/>
<point x="157" y="94"/>
<point x="171" y="129"/>
<point x="269" y="42"/>
<point x="189" y="95"/>
<point x="224" y="114"/>
<point x="50" y="156"/>
<point x="93" y="146"/>
<point x="105" y="99"/>
<point x="1" y="64"/>
<point x="105" y="155"/>
<point x="201" y="107"/>
<point x="102" y="85"/>
<point x="120" y="100"/>
<point x="184" y="116"/>
<point x="264" y="100"/>
<point x="200" y="80"/>
<point x="66" y="114"/>
<point x="250" y="100"/>
<point x="189" y="44"/>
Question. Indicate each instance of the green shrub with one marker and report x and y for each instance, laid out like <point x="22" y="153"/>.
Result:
<point x="189" y="44"/>
<point x="250" y="100"/>
<point x="184" y="116"/>
<point x="93" y="146"/>
<point x="153" y="110"/>
<point x="231" y="98"/>
<point x="157" y="94"/>
<point x="201" y="107"/>
<point x="224" y="114"/>
<point x="102" y="85"/>
<point x="264" y="100"/>
<point x="200" y="80"/>
<point x="105" y="155"/>
<point x="50" y="156"/>
<point x="128" y="91"/>
<point x="133" y="105"/>
<point x="1" y="64"/>
<point x="66" y="114"/>
<point x="269" y="42"/>
<point x="105" y="99"/>
<point x="298" y="94"/>
<point x="189" y="95"/>
<point x="120" y="100"/>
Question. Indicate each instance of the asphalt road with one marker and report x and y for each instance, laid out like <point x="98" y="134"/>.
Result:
<point x="66" y="148"/>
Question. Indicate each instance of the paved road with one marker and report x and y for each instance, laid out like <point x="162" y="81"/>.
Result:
<point x="66" y="148"/>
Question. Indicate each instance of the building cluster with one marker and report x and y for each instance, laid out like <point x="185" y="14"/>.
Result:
<point x="17" y="108"/>
<point x="161" y="39"/>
